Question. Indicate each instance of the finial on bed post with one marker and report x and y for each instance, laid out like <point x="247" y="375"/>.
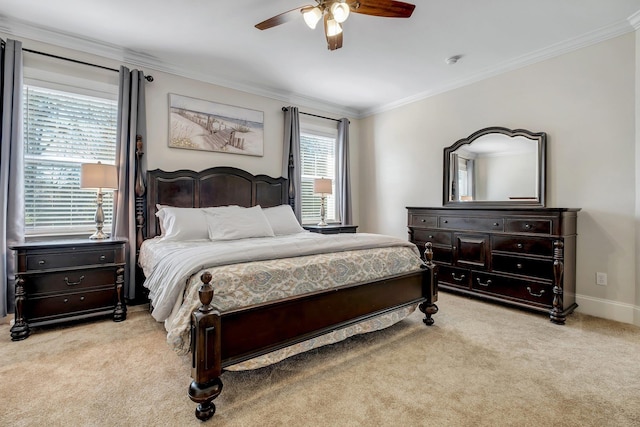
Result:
<point x="430" y="286"/>
<point x="205" y="293"/>
<point x="140" y="191"/>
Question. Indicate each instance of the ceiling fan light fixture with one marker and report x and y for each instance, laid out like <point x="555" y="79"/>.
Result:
<point x="340" y="11"/>
<point x="333" y="28"/>
<point x="312" y="16"/>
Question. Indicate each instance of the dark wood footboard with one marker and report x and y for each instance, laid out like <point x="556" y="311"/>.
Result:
<point x="220" y="339"/>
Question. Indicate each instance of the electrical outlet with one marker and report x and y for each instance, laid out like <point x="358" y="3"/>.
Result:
<point x="601" y="279"/>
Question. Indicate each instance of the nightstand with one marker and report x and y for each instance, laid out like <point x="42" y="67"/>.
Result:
<point x="331" y="228"/>
<point x="62" y="280"/>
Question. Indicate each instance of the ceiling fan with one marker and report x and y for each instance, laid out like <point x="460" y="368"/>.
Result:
<point x="336" y="12"/>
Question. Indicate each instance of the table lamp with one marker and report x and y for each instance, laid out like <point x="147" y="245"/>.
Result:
<point x="322" y="187"/>
<point x="100" y="177"/>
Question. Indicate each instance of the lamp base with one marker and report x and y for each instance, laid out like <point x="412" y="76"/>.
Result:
<point x="322" y="223"/>
<point x="99" y="235"/>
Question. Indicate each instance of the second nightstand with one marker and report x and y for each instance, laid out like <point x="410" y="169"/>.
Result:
<point x="331" y="228"/>
<point x="67" y="279"/>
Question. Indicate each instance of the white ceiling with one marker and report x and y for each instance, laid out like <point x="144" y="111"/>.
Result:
<point x="384" y="62"/>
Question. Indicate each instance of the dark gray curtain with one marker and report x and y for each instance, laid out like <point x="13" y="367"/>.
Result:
<point x="343" y="180"/>
<point x="291" y="157"/>
<point x="131" y="122"/>
<point x="11" y="168"/>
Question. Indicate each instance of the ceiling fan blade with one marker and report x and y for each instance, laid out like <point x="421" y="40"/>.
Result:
<point x="282" y="18"/>
<point x="333" y="42"/>
<point x="384" y="8"/>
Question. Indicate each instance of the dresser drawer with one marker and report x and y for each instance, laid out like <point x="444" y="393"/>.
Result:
<point x="433" y="236"/>
<point x="43" y="308"/>
<point x="523" y="245"/>
<point x="48" y="260"/>
<point x="70" y="281"/>
<point x="420" y="220"/>
<point x="523" y="266"/>
<point x="471" y="223"/>
<point x="458" y="277"/>
<point x="537" y="225"/>
<point x="540" y="294"/>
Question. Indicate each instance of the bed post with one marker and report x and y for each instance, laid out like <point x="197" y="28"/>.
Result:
<point x="429" y="286"/>
<point x="206" y="366"/>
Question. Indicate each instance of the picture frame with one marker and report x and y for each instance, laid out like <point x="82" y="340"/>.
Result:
<point x="197" y="124"/>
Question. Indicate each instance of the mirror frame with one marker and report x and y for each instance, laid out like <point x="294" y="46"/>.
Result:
<point x="540" y="137"/>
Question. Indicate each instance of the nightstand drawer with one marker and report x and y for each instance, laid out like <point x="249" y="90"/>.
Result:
<point x="70" y="280"/>
<point x="43" y="308"/>
<point x="49" y="260"/>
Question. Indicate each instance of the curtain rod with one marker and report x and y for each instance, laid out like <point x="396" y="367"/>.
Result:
<point x="314" y="115"/>
<point x="147" y="78"/>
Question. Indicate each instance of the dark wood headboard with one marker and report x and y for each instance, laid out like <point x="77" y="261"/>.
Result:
<point x="217" y="186"/>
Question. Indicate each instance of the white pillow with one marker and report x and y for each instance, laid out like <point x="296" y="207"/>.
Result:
<point x="282" y="220"/>
<point x="178" y="224"/>
<point x="238" y="224"/>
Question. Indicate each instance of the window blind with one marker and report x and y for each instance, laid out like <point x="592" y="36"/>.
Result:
<point x="62" y="130"/>
<point x="317" y="155"/>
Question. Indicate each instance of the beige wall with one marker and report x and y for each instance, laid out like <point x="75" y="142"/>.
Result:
<point x="585" y="102"/>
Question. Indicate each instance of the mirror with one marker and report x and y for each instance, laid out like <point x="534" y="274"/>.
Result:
<point x="496" y="167"/>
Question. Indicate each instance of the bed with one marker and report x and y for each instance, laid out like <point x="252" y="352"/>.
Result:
<point x="224" y="338"/>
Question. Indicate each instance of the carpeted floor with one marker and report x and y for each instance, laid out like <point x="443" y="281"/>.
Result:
<point x="480" y="365"/>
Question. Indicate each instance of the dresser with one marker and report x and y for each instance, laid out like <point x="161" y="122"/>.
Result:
<point x="525" y="257"/>
<point x="64" y="280"/>
<point x="331" y="228"/>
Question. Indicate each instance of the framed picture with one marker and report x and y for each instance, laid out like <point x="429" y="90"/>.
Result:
<point x="196" y="124"/>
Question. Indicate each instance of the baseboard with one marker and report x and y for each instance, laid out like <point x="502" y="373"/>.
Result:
<point x="607" y="309"/>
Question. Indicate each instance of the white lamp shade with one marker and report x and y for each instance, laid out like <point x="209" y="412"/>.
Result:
<point x="98" y="175"/>
<point x="333" y="28"/>
<point x="322" y="186"/>
<point x="312" y="16"/>
<point x="340" y="11"/>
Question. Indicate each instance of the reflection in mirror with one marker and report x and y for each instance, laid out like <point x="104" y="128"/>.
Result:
<point x="496" y="166"/>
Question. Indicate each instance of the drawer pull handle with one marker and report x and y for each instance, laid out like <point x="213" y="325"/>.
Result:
<point x="519" y="245"/>
<point x="486" y="284"/>
<point x="519" y="266"/>
<point x="81" y="298"/>
<point x="527" y="226"/>
<point x="102" y="258"/>
<point x="431" y="237"/>
<point x="423" y="220"/>
<point x="66" y="300"/>
<point x="446" y="222"/>
<point x="535" y="295"/>
<point x="66" y="280"/>
<point x="495" y="224"/>
<point x="42" y="262"/>
<point x="458" y="279"/>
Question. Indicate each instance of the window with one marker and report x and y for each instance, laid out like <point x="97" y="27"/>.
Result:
<point x="318" y="158"/>
<point x="62" y="130"/>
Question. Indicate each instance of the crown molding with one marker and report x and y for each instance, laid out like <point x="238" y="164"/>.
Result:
<point x="90" y="46"/>
<point x="605" y="33"/>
